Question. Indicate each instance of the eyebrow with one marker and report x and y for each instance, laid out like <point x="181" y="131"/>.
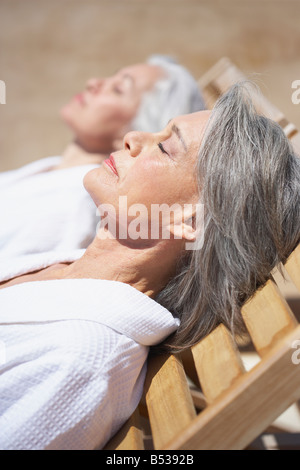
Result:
<point x="177" y="131"/>
<point x="125" y="75"/>
<point x="129" y="77"/>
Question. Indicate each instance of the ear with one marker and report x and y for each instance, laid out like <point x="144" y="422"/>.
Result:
<point x="189" y="232"/>
<point x="191" y="226"/>
<point x="184" y="230"/>
<point x="183" y="225"/>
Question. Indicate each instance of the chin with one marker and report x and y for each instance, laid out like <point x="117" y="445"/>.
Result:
<point x="67" y="115"/>
<point x="88" y="179"/>
<point x="92" y="182"/>
<point x="64" y="112"/>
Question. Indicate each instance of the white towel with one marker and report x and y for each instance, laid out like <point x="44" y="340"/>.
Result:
<point x="73" y="360"/>
<point x="44" y="210"/>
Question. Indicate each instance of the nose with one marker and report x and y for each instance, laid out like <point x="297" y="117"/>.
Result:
<point x="134" y="142"/>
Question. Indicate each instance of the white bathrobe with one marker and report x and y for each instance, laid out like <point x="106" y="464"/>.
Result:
<point x="72" y="356"/>
<point x="43" y="210"/>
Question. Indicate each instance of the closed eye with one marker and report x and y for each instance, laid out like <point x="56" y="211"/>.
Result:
<point x="117" y="90"/>
<point x="160" y="145"/>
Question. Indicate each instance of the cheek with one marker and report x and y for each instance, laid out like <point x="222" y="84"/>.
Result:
<point x="110" y="113"/>
<point x="168" y="187"/>
<point x="151" y="185"/>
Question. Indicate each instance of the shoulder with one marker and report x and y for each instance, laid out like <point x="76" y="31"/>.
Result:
<point x="84" y="379"/>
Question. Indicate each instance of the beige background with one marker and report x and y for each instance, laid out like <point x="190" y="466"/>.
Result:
<point x="48" y="48"/>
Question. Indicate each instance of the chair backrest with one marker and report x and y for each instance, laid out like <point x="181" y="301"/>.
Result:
<point x="205" y="399"/>
<point x="233" y="406"/>
<point x="223" y="75"/>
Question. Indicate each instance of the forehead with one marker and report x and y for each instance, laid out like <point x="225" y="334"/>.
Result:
<point x="194" y="119"/>
<point x="192" y="126"/>
<point x="144" y="76"/>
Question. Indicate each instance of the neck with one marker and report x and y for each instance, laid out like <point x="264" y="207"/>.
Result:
<point x="75" y="155"/>
<point x="140" y="266"/>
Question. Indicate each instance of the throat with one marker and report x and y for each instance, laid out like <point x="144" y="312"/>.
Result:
<point x="141" y="268"/>
<point x="74" y="155"/>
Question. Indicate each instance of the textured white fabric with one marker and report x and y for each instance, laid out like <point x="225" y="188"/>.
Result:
<point x="75" y="358"/>
<point x="17" y="265"/>
<point x="43" y="210"/>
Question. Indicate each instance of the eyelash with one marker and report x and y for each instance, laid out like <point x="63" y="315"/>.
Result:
<point x="117" y="90"/>
<point x="160" y="145"/>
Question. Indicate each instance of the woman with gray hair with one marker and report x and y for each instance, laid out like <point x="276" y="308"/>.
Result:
<point x="175" y="94"/>
<point x="77" y="344"/>
<point x="56" y="212"/>
<point x="250" y="188"/>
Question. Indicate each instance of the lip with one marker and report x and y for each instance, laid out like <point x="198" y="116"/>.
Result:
<point x="79" y="97"/>
<point x="110" y="162"/>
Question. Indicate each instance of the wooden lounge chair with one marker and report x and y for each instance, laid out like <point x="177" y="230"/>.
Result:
<point x="222" y="76"/>
<point x="211" y="401"/>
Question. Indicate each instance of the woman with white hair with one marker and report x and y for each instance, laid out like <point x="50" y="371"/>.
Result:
<point x="43" y="205"/>
<point x="76" y="345"/>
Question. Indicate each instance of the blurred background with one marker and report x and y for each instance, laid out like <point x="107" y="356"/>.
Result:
<point x="48" y="48"/>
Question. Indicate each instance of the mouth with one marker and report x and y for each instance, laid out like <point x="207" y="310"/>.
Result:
<point x="110" y="162"/>
<point x="80" y="99"/>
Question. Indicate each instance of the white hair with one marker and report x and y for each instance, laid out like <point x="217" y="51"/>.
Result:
<point x="249" y="183"/>
<point x="175" y="94"/>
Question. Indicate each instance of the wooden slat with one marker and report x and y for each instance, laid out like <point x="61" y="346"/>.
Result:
<point x="268" y="317"/>
<point x="189" y="366"/>
<point x="293" y="266"/>
<point x="223" y="75"/>
<point x="129" y="437"/>
<point x="198" y="398"/>
<point x="217" y="362"/>
<point x="295" y="139"/>
<point x="289" y="128"/>
<point x="243" y="412"/>
<point x="169" y="402"/>
<point x="218" y="79"/>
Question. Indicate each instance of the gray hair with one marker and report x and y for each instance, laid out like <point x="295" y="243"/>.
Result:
<point x="250" y="187"/>
<point x="176" y="94"/>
